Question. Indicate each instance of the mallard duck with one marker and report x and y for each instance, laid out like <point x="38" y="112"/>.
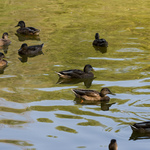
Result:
<point x="5" y="41"/>
<point x="26" y="30"/>
<point x="30" y="51"/>
<point x="75" y="73"/>
<point x="3" y="63"/>
<point x="99" y="42"/>
<point x="93" y="95"/>
<point x="113" y="145"/>
<point x="142" y="127"/>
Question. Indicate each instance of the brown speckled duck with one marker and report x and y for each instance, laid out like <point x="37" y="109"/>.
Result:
<point x="99" y="42"/>
<point x="5" y="41"/>
<point x="26" y="30"/>
<point x="113" y="145"/>
<point x="75" y="73"/>
<point x="93" y="95"/>
<point x="30" y="51"/>
<point x="142" y="127"/>
<point x="3" y="63"/>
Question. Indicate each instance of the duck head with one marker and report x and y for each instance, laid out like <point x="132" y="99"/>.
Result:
<point x="113" y="145"/>
<point x="2" y="55"/>
<point x="96" y="36"/>
<point x="88" y="68"/>
<point x="5" y="35"/>
<point x="105" y="91"/>
<point x="21" y="24"/>
<point x="23" y="47"/>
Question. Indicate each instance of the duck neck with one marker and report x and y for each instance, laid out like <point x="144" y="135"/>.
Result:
<point x="101" y="94"/>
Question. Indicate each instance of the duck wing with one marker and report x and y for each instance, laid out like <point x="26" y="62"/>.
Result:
<point x="90" y="93"/>
<point x="32" y="29"/>
<point x="142" y="125"/>
<point x="28" y="31"/>
<point x="75" y="73"/>
<point x="34" y="50"/>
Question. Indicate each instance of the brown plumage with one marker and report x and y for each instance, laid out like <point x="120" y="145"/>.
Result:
<point x="30" y="51"/>
<point x="113" y="145"/>
<point x="26" y="30"/>
<point x="3" y="63"/>
<point x="4" y="41"/>
<point x="75" y="73"/>
<point x="92" y="95"/>
<point x="99" y="42"/>
<point x="142" y="127"/>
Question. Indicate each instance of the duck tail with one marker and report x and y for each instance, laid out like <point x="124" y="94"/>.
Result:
<point x="42" y="44"/>
<point x="133" y="128"/>
<point x="74" y="91"/>
<point x="58" y="73"/>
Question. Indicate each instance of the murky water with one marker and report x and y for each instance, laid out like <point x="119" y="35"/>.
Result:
<point x="37" y="113"/>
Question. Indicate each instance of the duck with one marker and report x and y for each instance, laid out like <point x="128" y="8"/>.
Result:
<point x="3" y="63"/>
<point x="30" y="51"/>
<point x="99" y="42"/>
<point x="26" y="30"/>
<point x="5" y="41"/>
<point x="93" y="95"/>
<point x="142" y="127"/>
<point x="113" y="145"/>
<point x="76" y="73"/>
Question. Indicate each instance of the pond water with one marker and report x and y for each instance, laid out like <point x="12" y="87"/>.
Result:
<point x="38" y="113"/>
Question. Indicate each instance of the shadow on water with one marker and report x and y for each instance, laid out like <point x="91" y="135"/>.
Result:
<point x="27" y="37"/>
<point x="105" y="105"/>
<point x="139" y="136"/>
<point x="4" y="48"/>
<point x="2" y="69"/>
<point x="100" y="49"/>
<point x="24" y="58"/>
<point x="87" y="82"/>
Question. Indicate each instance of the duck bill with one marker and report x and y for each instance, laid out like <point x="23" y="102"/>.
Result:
<point x="17" y="25"/>
<point x="112" y="93"/>
<point x="19" y="50"/>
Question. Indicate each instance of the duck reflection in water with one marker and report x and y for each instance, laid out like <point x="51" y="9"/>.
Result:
<point x="29" y="51"/>
<point x="87" y="82"/>
<point x="3" y="63"/>
<point x="100" y="49"/>
<point x="105" y="105"/>
<point x="140" y="131"/>
<point x="27" y="37"/>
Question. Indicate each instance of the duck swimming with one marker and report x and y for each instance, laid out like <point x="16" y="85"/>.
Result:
<point x="30" y="51"/>
<point x="5" y="41"/>
<point x="26" y="30"/>
<point x="113" y="145"/>
<point x="3" y="63"/>
<point x="75" y="73"/>
<point x="99" y="42"/>
<point x="93" y="95"/>
<point x="142" y="127"/>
